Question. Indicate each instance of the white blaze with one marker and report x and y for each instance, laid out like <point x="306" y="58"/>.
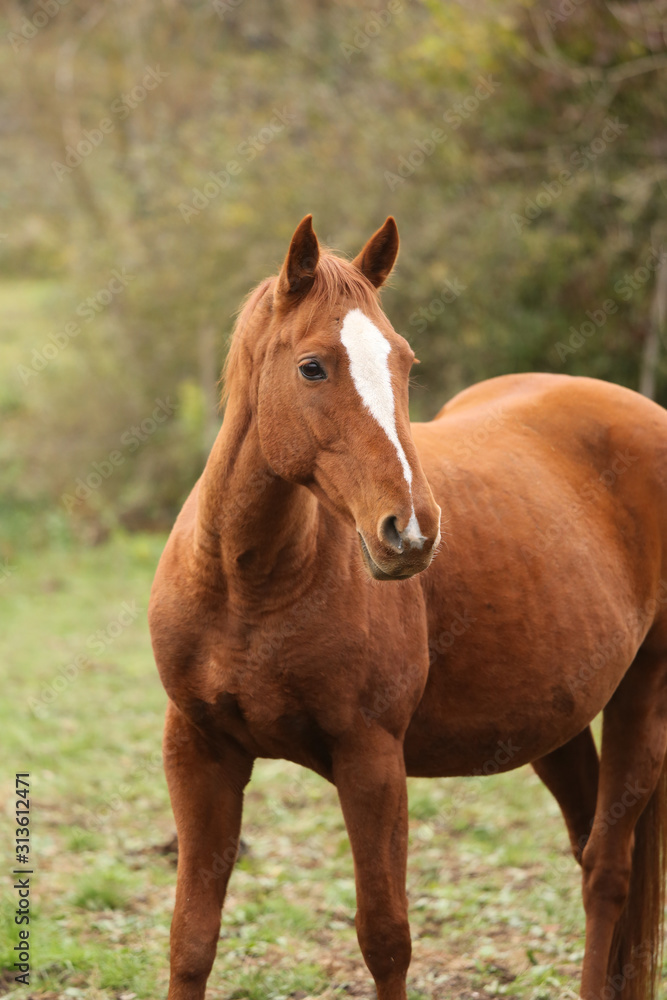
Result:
<point x="368" y="352"/>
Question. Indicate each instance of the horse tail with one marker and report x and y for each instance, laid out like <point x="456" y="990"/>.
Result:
<point x="635" y="961"/>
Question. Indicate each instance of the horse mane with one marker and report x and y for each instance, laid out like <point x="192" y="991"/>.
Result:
<point x="335" y="278"/>
<point x="246" y="309"/>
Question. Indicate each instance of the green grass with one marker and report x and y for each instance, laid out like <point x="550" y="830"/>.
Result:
<point x="495" y="900"/>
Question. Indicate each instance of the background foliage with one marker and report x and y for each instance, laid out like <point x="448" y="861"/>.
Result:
<point x="458" y="118"/>
<point x="521" y="145"/>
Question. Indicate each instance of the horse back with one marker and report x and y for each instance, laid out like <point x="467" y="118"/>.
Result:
<point x="553" y="565"/>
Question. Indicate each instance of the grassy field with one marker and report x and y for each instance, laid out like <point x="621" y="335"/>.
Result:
<point x="495" y="901"/>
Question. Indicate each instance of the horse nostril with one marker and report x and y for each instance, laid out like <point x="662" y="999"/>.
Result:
<point x="390" y="535"/>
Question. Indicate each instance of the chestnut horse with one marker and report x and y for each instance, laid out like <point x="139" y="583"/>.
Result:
<point x="545" y="605"/>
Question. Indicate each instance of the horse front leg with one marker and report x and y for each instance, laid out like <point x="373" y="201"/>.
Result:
<point x="206" y="788"/>
<point x="373" y="795"/>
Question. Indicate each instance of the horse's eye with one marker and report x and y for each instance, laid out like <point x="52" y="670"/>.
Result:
<point x="312" y="370"/>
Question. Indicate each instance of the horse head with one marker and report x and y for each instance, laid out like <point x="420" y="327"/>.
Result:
<point x="329" y="388"/>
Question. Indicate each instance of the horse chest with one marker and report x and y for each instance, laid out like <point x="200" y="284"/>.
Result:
<point x="289" y="689"/>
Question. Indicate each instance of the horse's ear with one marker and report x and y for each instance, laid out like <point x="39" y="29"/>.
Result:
<point x="298" y="271"/>
<point x="379" y="255"/>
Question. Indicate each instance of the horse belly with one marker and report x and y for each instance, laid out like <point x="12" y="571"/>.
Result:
<point x="516" y="673"/>
<point x="446" y="739"/>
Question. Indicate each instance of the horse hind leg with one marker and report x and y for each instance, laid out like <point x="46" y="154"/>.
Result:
<point x="624" y="861"/>
<point x="571" y="775"/>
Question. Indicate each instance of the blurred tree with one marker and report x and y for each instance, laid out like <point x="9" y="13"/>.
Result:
<point x="157" y="155"/>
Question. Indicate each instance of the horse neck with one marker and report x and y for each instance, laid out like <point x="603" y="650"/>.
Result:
<point x="262" y="528"/>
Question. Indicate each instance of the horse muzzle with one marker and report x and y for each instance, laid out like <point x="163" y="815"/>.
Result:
<point x="397" y="555"/>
